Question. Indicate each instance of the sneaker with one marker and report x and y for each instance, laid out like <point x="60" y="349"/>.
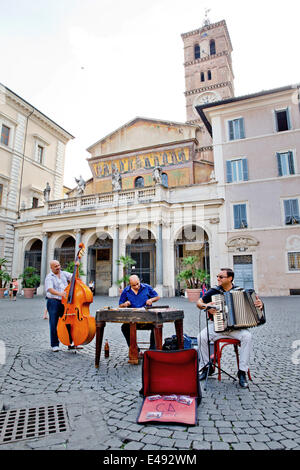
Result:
<point x="55" y="348"/>
<point x="242" y="379"/>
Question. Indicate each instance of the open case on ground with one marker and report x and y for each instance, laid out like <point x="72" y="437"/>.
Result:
<point x="171" y="388"/>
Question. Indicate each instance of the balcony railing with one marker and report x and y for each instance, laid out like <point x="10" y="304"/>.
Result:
<point x="93" y="201"/>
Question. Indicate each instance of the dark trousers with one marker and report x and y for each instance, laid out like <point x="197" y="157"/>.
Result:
<point x="140" y="326"/>
<point x="55" y="309"/>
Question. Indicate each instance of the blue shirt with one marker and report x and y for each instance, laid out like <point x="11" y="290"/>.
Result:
<point x="138" y="300"/>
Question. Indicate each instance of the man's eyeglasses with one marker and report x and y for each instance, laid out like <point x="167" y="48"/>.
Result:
<point x="222" y="277"/>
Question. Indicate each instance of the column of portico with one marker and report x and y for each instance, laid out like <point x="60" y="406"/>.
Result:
<point x="41" y="287"/>
<point x="78" y="233"/>
<point x="114" y="289"/>
<point x="159" y="261"/>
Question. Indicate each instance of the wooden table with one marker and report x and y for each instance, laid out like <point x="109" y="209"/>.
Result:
<point x="155" y="316"/>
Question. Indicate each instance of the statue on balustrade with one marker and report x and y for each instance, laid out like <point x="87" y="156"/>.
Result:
<point x="156" y="175"/>
<point x="80" y="186"/>
<point x="116" y="180"/>
<point x="47" y="192"/>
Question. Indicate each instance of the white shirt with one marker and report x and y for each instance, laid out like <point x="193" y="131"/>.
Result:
<point x="59" y="284"/>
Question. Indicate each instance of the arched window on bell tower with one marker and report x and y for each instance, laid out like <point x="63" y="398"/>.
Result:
<point x="209" y="75"/>
<point x="212" y="47"/>
<point x="197" y="51"/>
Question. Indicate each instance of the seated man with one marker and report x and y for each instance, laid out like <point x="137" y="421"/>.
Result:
<point x="225" y="284"/>
<point x="138" y="295"/>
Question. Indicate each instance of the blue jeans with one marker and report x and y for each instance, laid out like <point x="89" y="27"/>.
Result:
<point x="54" y="307"/>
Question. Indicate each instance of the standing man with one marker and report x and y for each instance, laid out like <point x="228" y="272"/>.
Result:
<point x="55" y="283"/>
<point x="225" y="284"/>
<point x="138" y="295"/>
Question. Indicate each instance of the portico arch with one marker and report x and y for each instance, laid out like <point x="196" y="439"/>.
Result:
<point x="64" y="250"/>
<point x="141" y="247"/>
<point x="190" y="240"/>
<point x="33" y="254"/>
<point x="99" y="262"/>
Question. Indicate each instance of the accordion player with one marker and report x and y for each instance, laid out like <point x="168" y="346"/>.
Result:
<point x="236" y="310"/>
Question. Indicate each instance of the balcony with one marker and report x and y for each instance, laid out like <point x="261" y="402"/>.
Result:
<point x="96" y="201"/>
<point x="153" y="194"/>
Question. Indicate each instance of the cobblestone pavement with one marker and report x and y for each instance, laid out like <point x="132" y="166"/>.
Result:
<point x="102" y="404"/>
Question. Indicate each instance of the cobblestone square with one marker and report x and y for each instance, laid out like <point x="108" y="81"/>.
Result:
<point x="103" y="404"/>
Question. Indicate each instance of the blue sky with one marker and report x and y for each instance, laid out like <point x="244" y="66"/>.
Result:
<point x="93" y="65"/>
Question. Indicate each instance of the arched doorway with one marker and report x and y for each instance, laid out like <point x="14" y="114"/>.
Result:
<point x="33" y="256"/>
<point x="141" y="248"/>
<point x="99" y="266"/>
<point x="191" y="241"/>
<point x="66" y="253"/>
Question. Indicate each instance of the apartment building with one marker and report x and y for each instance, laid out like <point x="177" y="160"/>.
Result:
<point x="32" y="153"/>
<point x="256" y="146"/>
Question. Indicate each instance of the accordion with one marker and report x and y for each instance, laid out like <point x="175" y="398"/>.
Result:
<point x="236" y="310"/>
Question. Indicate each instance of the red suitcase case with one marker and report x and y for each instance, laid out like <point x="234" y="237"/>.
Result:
<point x="171" y="388"/>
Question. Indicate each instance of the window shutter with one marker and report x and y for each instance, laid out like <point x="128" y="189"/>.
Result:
<point x="245" y="169"/>
<point x="236" y="216"/>
<point x="229" y="171"/>
<point x="288" y="118"/>
<point x="287" y="211"/>
<point x="295" y="209"/>
<point x="291" y="163"/>
<point x="231" y="130"/>
<point x="243" y="213"/>
<point x="279" y="164"/>
<point x="242" y="128"/>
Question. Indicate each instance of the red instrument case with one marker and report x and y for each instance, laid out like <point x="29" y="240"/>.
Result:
<point x="171" y="388"/>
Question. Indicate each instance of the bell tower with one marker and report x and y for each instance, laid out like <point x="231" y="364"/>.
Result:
<point x="208" y="67"/>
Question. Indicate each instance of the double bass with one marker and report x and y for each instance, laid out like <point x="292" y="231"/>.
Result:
<point x="76" y="326"/>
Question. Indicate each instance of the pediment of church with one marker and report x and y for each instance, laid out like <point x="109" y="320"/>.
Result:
<point x="142" y="133"/>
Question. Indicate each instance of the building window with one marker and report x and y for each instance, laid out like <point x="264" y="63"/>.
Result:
<point x="236" y="129"/>
<point x="202" y="77"/>
<point x="285" y="162"/>
<point x="240" y="216"/>
<point x="1" y="193"/>
<point x="164" y="180"/>
<point x="294" y="261"/>
<point x="282" y="120"/>
<point x="237" y="170"/>
<point x="139" y="182"/>
<point x="291" y="211"/>
<point x="5" y="131"/>
<point x="40" y="154"/>
<point x="212" y="47"/>
<point x="35" y="202"/>
<point x="209" y="75"/>
<point x="197" y="51"/>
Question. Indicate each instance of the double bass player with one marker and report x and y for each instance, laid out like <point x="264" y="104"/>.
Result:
<point x="55" y="283"/>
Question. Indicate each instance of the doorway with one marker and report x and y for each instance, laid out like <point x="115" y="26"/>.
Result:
<point x="100" y="265"/>
<point x="243" y="271"/>
<point x="142" y="251"/>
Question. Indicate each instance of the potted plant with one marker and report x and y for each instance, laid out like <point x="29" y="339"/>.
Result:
<point x="30" y="280"/>
<point x="4" y="276"/>
<point x="126" y="262"/>
<point x="193" y="276"/>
